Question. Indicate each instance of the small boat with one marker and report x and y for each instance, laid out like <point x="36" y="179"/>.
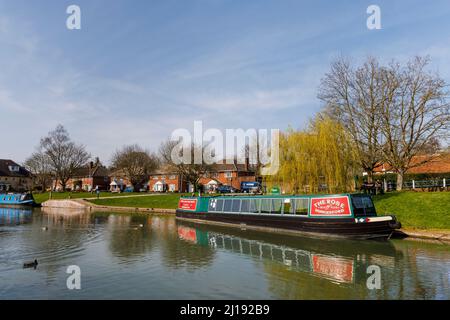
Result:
<point x="19" y="199"/>
<point x="342" y="215"/>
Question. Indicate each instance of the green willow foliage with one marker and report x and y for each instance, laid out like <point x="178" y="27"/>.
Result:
<point x="321" y="158"/>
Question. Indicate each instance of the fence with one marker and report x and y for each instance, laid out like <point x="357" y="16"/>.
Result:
<point x="428" y="185"/>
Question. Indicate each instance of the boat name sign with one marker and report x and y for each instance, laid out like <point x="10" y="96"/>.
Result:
<point x="188" y="204"/>
<point x="330" y="206"/>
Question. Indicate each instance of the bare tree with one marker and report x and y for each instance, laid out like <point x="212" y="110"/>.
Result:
<point x="190" y="172"/>
<point x="415" y="113"/>
<point x="136" y="163"/>
<point x="64" y="155"/>
<point x="353" y="97"/>
<point x="40" y="167"/>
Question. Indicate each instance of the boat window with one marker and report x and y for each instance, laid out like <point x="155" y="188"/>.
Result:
<point x="277" y="204"/>
<point x="254" y="205"/>
<point x="245" y="205"/>
<point x="287" y="208"/>
<point x="301" y="206"/>
<point x="212" y="205"/>
<point x="363" y="206"/>
<point x="219" y="205"/>
<point x="227" y="205"/>
<point x="266" y="205"/>
<point x="236" y="205"/>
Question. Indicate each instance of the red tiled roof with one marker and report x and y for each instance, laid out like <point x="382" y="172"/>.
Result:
<point x="439" y="164"/>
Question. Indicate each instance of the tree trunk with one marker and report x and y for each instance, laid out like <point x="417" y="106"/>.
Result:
<point x="369" y="176"/>
<point x="400" y="180"/>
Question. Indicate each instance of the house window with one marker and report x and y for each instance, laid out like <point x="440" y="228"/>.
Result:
<point x="228" y="174"/>
<point x="14" y="168"/>
<point x="155" y="178"/>
<point x="172" y="177"/>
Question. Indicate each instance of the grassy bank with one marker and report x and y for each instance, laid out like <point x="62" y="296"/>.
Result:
<point x="41" y="197"/>
<point x="163" y="201"/>
<point x="419" y="210"/>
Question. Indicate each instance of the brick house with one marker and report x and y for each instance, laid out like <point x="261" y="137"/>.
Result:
<point x="166" y="180"/>
<point x="229" y="174"/>
<point x="14" y="177"/>
<point x="118" y="181"/>
<point x="87" y="178"/>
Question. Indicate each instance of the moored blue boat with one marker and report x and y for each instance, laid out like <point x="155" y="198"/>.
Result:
<point x="19" y="199"/>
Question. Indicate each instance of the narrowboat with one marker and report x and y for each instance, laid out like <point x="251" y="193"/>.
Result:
<point x="17" y="199"/>
<point x="343" y="215"/>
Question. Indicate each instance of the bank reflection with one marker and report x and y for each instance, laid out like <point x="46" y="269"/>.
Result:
<point x="11" y="216"/>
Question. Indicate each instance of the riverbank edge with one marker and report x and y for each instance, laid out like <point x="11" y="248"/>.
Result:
<point x="407" y="233"/>
<point x="85" y="204"/>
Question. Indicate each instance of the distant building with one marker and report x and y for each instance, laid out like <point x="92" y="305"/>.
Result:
<point x="165" y="179"/>
<point x="14" y="177"/>
<point x="439" y="165"/>
<point x="229" y="174"/>
<point x="118" y="181"/>
<point x="87" y="178"/>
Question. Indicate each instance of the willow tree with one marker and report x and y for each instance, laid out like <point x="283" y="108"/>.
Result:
<point x="320" y="158"/>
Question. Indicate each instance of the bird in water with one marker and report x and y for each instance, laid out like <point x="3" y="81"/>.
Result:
<point x="44" y="228"/>
<point x="32" y="264"/>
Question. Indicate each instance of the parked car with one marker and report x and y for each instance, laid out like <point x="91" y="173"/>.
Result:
<point x="226" y="189"/>
<point x="250" y="187"/>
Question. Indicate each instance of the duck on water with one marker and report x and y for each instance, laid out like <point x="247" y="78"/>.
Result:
<point x="342" y="215"/>
<point x="31" y="264"/>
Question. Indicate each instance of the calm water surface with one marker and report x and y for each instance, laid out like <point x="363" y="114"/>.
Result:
<point x="169" y="259"/>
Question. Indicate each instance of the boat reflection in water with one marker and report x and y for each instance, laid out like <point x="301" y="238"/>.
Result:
<point x="344" y="263"/>
<point x="10" y="216"/>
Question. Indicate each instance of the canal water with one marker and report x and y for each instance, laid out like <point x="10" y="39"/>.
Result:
<point x="126" y="256"/>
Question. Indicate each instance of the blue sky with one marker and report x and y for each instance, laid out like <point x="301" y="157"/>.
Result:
<point x="137" y="70"/>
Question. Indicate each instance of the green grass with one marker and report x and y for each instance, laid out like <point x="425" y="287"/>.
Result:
<point x="418" y="210"/>
<point x="163" y="201"/>
<point x="41" y="197"/>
